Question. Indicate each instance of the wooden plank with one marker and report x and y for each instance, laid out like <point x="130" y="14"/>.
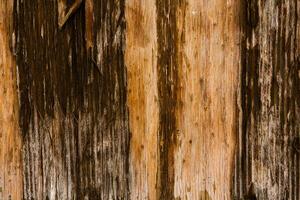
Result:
<point x="267" y="164"/>
<point x="11" y="179"/>
<point x="141" y="61"/>
<point x="74" y="117"/>
<point x="210" y="62"/>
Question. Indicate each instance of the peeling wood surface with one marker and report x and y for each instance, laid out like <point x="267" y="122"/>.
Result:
<point x="267" y="159"/>
<point x="150" y="99"/>
<point x="11" y="181"/>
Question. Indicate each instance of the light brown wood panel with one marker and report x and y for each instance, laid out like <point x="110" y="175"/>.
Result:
<point x="210" y="74"/>
<point x="10" y="140"/>
<point x="141" y="62"/>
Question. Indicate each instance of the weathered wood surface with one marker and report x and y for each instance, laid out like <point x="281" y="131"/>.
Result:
<point x="184" y="129"/>
<point x="10" y="141"/>
<point x="141" y="62"/>
<point x="268" y="163"/>
<point x="209" y="79"/>
<point x="74" y="117"/>
<point x="150" y="99"/>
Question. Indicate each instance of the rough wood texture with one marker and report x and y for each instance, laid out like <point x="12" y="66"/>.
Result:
<point x="141" y="61"/>
<point x="10" y="139"/>
<point x="168" y="67"/>
<point x="73" y="102"/>
<point x="210" y="65"/>
<point x="207" y="80"/>
<point x="191" y="54"/>
<point x="267" y="163"/>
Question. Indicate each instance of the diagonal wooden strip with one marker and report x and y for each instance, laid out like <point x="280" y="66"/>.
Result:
<point x="89" y="18"/>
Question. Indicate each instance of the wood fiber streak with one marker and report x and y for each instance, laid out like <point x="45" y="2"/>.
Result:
<point x="73" y="114"/>
<point x="10" y="140"/>
<point x="141" y="61"/>
<point x="267" y="160"/>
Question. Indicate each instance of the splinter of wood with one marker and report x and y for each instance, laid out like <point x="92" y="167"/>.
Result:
<point x="89" y="20"/>
<point x="71" y="11"/>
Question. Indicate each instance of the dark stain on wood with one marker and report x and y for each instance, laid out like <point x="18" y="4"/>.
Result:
<point x="73" y="117"/>
<point x="168" y="41"/>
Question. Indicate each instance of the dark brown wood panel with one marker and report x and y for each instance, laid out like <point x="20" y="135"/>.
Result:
<point x="73" y="116"/>
<point x="267" y="162"/>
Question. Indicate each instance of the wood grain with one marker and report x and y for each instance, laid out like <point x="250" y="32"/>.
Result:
<point x="196" y="54"/>
<point x="11" y="180"/>
<point x="73" y="114"/>
<point x="210" y="61"/>
<point x="150" y="99"/>
<point x="141" y="61"/>
<point x="267" y="158"/>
